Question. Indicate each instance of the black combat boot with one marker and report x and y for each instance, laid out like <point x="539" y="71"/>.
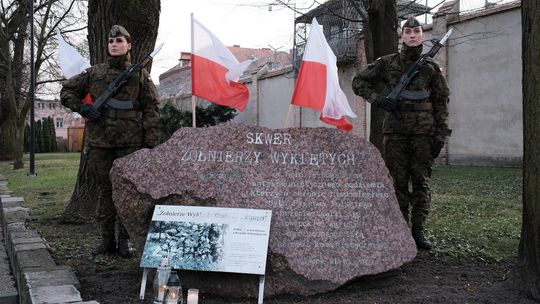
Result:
<point x="123" y="246"/>
<point x="420" y="238"/>
<point x="107" y="246"/>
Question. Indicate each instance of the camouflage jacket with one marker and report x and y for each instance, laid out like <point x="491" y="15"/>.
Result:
<point x="382" y="75"/>
<point x="137" y="131"/>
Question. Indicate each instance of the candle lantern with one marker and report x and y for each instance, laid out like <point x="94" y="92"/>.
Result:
<point x="160" y="280"/>
<point x="174" y="290"/>
<point x="192" y="296"/>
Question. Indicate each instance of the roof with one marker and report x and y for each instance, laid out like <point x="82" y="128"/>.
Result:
<point x="337" y="8"/>
<point x="176" y="80"/>
<point x="180" y="66"/>
<point x="261" y="56"/>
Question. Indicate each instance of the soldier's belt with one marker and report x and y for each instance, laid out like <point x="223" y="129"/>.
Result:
<point x="122" y="114"/>
<point x="414" y="107"/>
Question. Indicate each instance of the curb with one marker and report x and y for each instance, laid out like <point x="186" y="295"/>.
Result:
<point x="33" y="271"/>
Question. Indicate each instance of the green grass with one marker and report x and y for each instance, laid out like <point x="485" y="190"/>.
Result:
<point x="476" y="211"/>
<point x="47" y="193"/>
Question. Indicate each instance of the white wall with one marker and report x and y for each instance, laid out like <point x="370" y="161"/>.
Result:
<point x="274" y="95"/>
<point x="484" y="75"/>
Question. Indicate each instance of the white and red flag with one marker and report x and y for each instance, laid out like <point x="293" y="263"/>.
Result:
<point x="317" y="86"/>
<point x="70" y="61"/>
<point x="215" y="70"/>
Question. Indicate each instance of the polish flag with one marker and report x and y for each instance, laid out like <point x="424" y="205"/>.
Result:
<point x="215" y="70"/>
<point x="70" y="61"/>
<point x="317" y="86"/>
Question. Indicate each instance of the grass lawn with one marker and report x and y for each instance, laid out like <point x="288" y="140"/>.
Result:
<point x="47" y="193"/>
<point x="476" y="211"/>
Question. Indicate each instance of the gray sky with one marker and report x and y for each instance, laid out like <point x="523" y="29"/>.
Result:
<point x="248" y="23"/>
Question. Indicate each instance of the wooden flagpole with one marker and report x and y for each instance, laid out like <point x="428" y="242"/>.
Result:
<point x="193" y="98"/>
<point x="193" y="110"/>
<point x="288" y="116"/>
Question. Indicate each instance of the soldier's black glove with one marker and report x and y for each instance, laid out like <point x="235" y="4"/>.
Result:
<point x="436" y="146"/>
<point x="90" y="112"/>
<point x="386" y="104"/>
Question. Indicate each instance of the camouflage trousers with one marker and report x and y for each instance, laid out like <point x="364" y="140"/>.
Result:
<point x="100" y="162"/>
<point x="409" y="161"/>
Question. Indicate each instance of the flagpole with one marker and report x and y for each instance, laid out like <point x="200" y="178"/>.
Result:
<point x="288" y="116"/>
<point x="32" y="171"/>
<point x="193" y="98"/>
<point x="193" y="110"/>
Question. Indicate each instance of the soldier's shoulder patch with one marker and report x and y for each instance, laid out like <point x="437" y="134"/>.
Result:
<point x="78" y="77"/>
<point x="435" y="64"/>
<point x="432" y="61"/>
<point x="372" y="64"/>
<point x="99" y="69"/>
<point x="145" y="75"/>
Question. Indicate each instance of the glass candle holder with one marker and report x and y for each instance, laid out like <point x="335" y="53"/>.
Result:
<point x="160" y="281"/>
<point x="192" y="296"/>
<point x="174" y="290"/>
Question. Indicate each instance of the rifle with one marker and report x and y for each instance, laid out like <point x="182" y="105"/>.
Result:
<point x="397" y="91"/>
<point x="118" y="82"/>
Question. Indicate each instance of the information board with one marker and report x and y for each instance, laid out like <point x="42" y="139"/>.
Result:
<point x="208" y="239"/>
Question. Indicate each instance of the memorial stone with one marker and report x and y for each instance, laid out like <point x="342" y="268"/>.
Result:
<point x="335" y="217"/>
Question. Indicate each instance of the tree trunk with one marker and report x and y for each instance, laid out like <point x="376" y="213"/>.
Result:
<point x="529" y="246"/>
<point x="139" y="17"/>
<point x="9" y="123"/>
<point x="82" y="204"/>
<point x="13" y="66"/>
<point x="14" y="79"/>
<point x="8" y="115"/>
<point x="141" y="20"/>
<point x="382" y="41"/>
<point x="18" y="145"/>
<point x="8" y="132"/>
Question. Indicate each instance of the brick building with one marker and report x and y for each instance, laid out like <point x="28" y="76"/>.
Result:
<point x="64" y="120"/>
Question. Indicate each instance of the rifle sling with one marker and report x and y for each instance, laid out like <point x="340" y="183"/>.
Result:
<point x="119" y="104"/>
<point x="122" y="114"/>
<point x="414" y="95"/>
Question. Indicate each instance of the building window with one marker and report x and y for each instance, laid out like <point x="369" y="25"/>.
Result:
<point x="59" y="122"/>
<point x="335" y="31"/>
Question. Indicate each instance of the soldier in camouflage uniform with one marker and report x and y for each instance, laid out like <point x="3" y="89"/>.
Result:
<point x="113" y="133"/>
<point x="414" y="141"/>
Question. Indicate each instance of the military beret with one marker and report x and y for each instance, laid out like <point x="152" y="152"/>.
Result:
<point x="412" y="22"/>
<point x="118" y="30"/>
